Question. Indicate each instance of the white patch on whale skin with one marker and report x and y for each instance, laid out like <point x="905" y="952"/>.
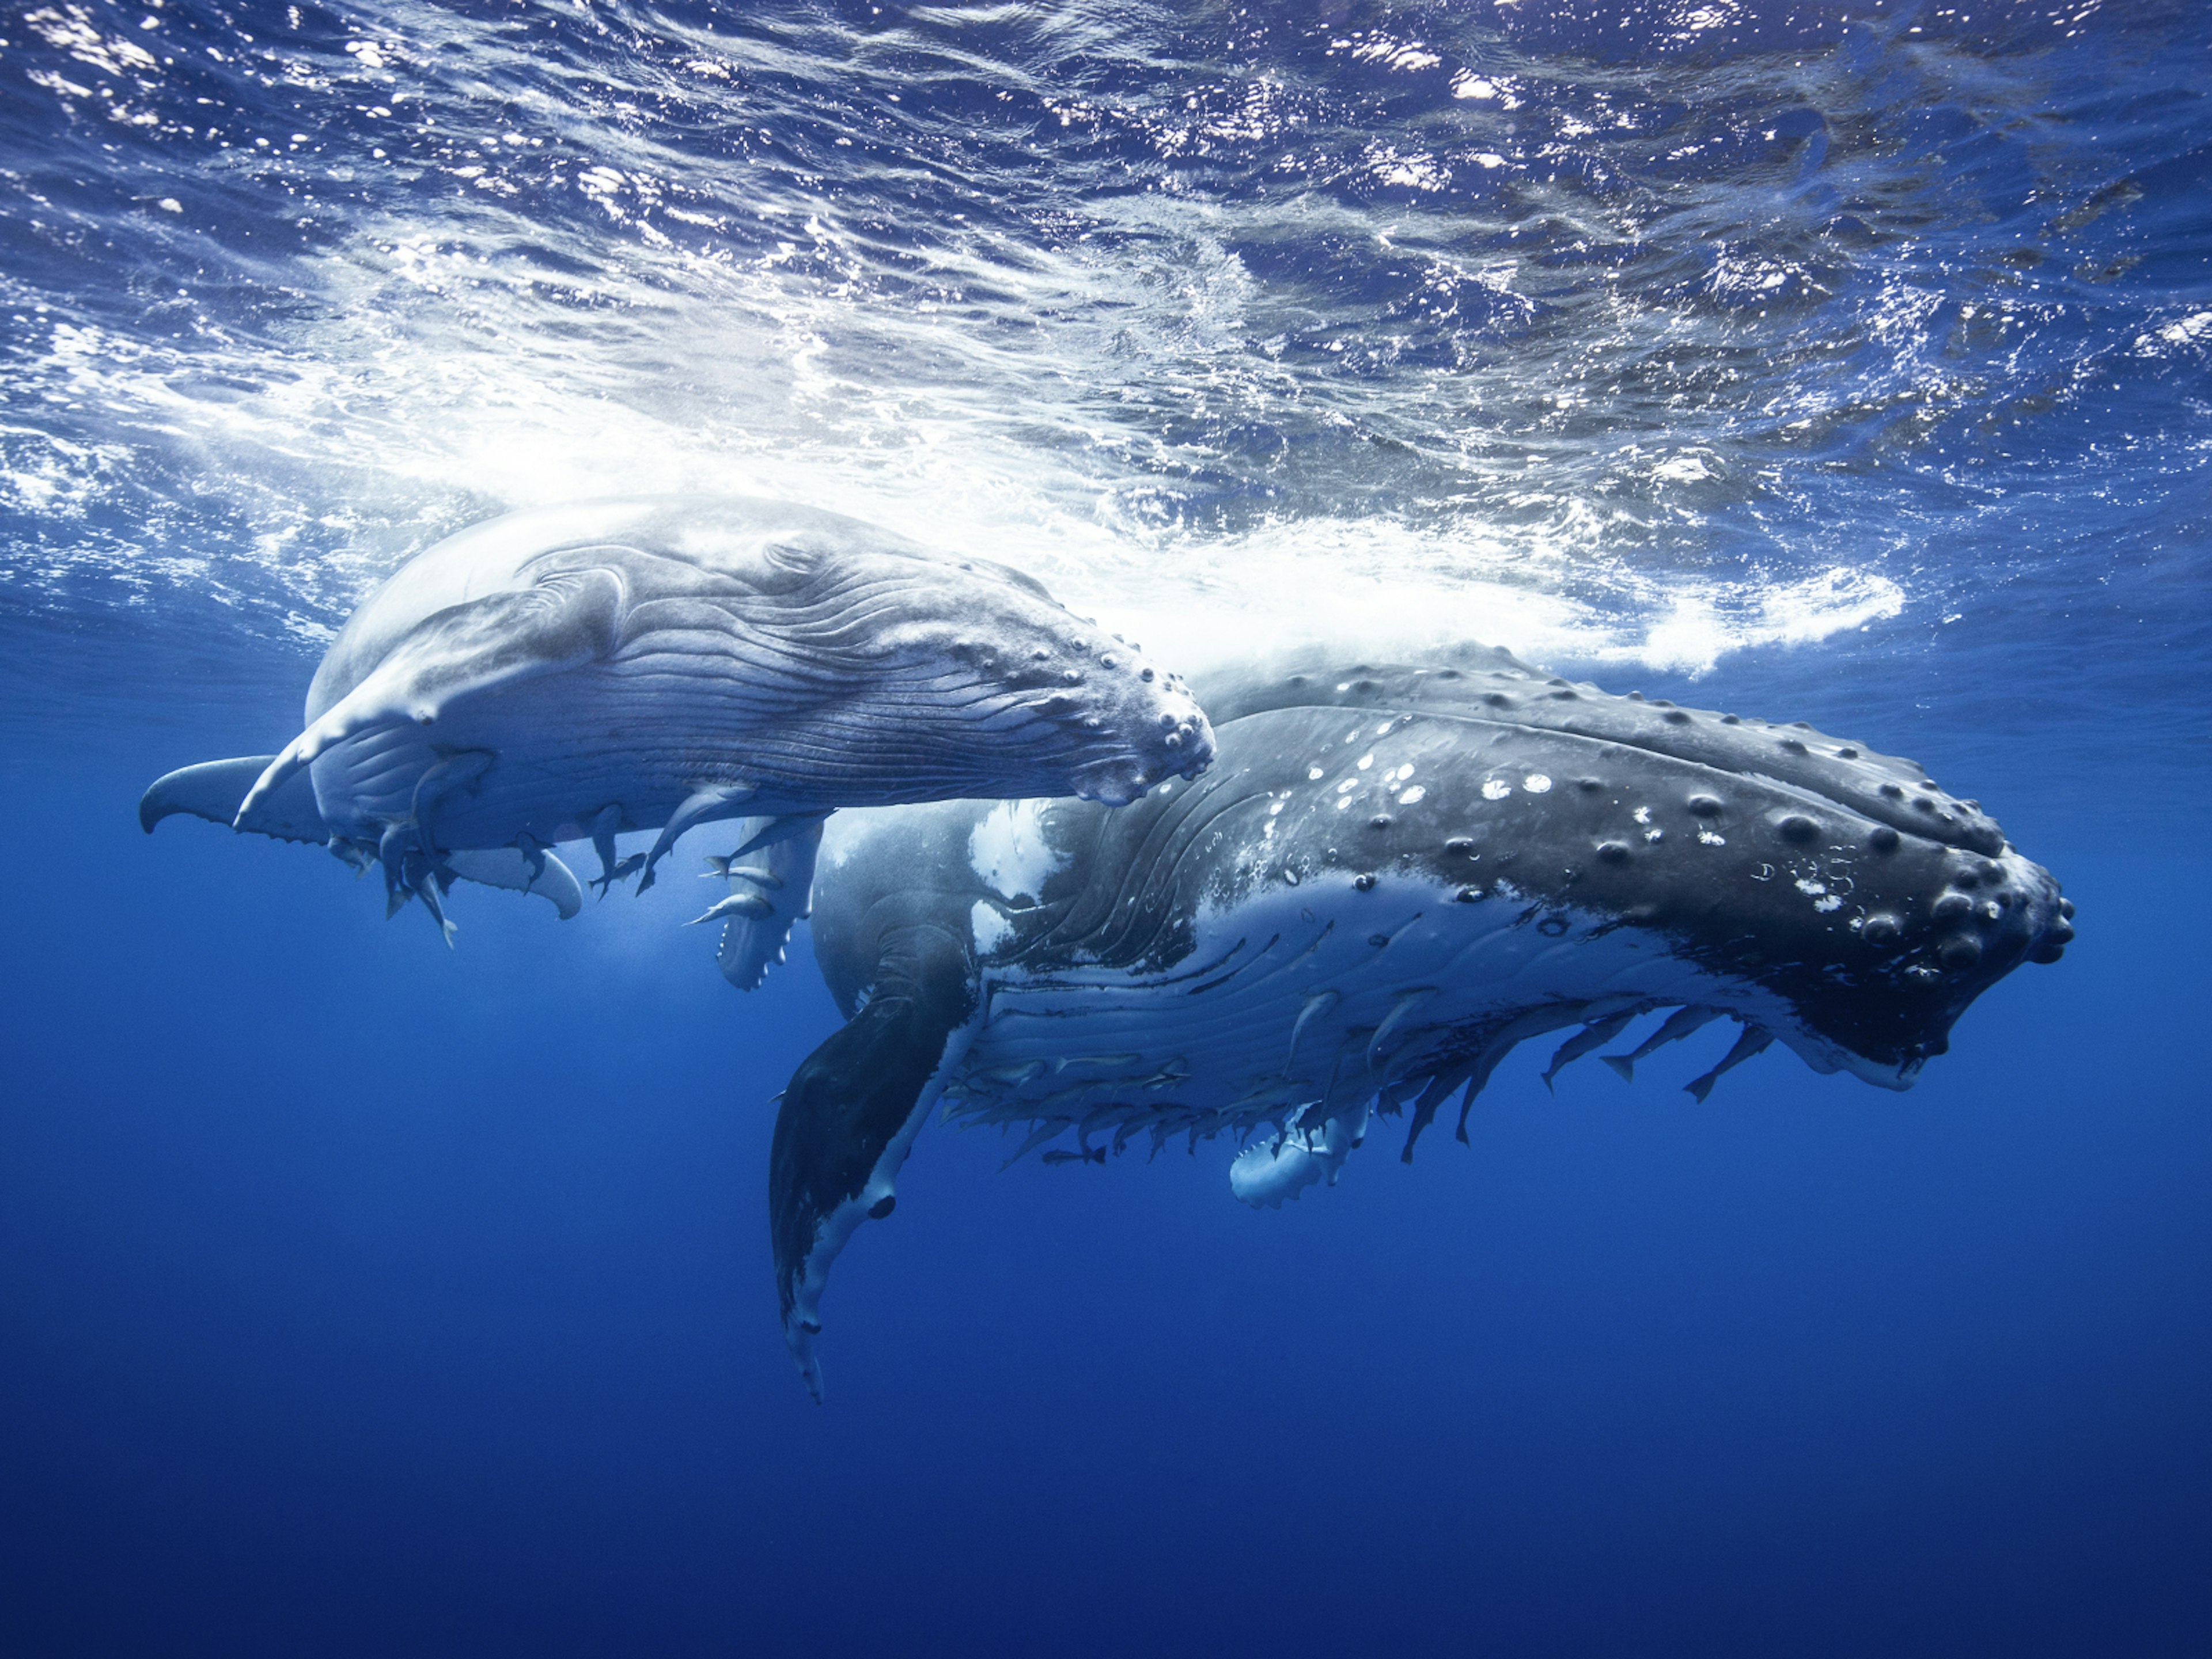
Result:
<point x="989" y="926"/>
<point x="1008" y="849"/>
<point x="849" y="834"/>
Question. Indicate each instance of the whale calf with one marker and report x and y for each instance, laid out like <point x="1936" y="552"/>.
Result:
<point x="1389" y="879"/>
<point x="573" y="672"/>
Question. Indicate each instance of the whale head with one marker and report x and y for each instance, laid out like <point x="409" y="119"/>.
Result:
<point x="966" y="674"/>
<point x="1835" y="897"/>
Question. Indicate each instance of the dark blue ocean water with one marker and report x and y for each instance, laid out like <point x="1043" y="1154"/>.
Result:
<point x="1850" y="363"/>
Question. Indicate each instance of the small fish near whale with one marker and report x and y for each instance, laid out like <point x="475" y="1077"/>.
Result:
<point x="1389" y="879"/>
<point x="574" y="672"/>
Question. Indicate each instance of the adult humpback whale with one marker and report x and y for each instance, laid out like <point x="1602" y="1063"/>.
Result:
<point x="577" y="671"/>
<point x="1389" y="879"/>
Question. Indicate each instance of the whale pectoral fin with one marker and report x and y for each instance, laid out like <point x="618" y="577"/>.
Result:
<point x="214" y="790"/>
<point x="850" y="1116"/>
<point x="537" y="871"/>
<point x="1269" y="1173"/>
<point x="448" y="775"/>
<point x="780" y="875"/>
<point x="568" y="619"/>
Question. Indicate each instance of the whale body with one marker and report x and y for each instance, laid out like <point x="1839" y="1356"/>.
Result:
<point x="1390" y="878"/>
<point x="574" y="672"/>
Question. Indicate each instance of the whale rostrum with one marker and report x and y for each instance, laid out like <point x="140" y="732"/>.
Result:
<point x="1390" y="877"/>
<point x="580" y="672"/>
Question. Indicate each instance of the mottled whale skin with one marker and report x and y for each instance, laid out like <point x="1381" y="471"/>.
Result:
<point x="1390" y="878"/>
<point x="654" y="664"/>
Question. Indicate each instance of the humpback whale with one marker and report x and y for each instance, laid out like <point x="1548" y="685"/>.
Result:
<point x="1390" y="878"/>
<point x="573" y="672"/>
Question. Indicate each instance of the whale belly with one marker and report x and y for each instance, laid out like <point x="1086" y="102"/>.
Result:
<point x="641" y="732"/>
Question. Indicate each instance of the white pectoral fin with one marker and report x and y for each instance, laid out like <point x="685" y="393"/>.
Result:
<point x="1270" y="1172"/>
<point x="769" y="894"/>
<point x="536" y="871"/>
<point x="566" y="620"/>
<point x="214" y="790"/>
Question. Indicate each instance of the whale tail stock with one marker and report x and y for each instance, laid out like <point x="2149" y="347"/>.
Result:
<point x="850" y="1114"/>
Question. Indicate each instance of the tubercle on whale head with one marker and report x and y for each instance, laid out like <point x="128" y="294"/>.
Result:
<point x="1859" y="944"/>
<point x="1117" y="723"/>
<point x="1874" y="943"/>
<point x="1489" y="683"/>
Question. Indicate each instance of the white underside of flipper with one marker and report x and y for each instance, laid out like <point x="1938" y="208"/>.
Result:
<point x="771" y="891"/>
<point x="1269" y="1173"/>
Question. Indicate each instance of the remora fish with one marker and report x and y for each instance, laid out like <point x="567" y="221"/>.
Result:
<point x="578" y="672"/>
<point x="1388" y="879"/>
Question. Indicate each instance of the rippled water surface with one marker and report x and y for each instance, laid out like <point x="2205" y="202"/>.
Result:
<point x="1644" y="337"/>
<point x="1848" y="360"/>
